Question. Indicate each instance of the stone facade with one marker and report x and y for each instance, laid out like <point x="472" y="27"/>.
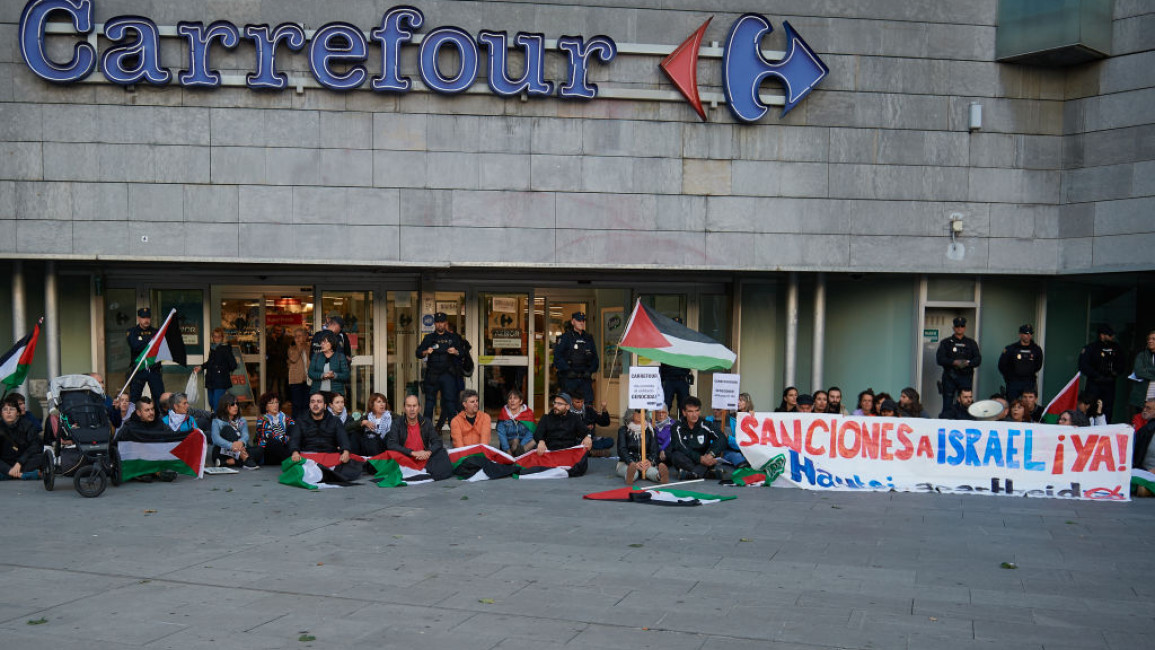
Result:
<point x="862" y="176"/>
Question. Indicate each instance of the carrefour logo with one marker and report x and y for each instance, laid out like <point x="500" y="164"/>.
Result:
<point x="336" y="54"/>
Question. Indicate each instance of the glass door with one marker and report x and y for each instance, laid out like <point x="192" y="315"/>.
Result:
<point x="552" y="316"/>
<point x="355" y="309"/>
<point x="401" y="344"/>
<point x="503" y="356"/>
<point x="241" y="318"/>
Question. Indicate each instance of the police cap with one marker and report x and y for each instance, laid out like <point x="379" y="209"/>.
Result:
<point x="1027" y="329"/>
<point x="578" y="315"/>
<point x="960" y="321"/>
<point x="440" y="317"/>
<point x="144" y="312"/>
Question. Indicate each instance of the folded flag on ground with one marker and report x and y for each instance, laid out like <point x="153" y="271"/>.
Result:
<point x="658" y="496"/>
<point x="154" y="450"/>
<point x="762" y="476"/>
<point x="1142" y="478"/>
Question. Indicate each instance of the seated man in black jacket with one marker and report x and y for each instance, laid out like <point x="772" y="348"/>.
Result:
<point x="414" y="436"/>
<point x="21" y="448"/>
<point x="697" y="449"/>
<point x="561" y="429"/>
<point x="957" y="410"/>
<point x="319" y="432"/>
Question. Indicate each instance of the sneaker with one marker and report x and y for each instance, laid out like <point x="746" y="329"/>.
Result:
<point x="663" y="474"/>
<point x="631" y="474"/>
<point x="251" y="464"/>
<point x="31" y="475"/>
<point x="168" y="476"/>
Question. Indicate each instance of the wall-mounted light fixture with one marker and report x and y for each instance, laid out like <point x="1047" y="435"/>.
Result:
<point x="975" y="120"/>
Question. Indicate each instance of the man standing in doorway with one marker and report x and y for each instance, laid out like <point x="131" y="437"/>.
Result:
<point x="138" y="339"/>
<point x="576" y="358"/>
<point x="441" y="349"/>
<point x="1100" y="363"/>
<point x="1020" y="364"/>
<point x="959" y="356"/>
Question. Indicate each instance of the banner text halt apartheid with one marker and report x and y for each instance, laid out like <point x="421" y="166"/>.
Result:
<point x="913" y="455"/>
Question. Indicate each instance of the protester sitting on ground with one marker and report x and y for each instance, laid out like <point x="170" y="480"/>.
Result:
<point x="865" y="403"/>
<point x="414" y="436"/>
<point x="230" y="435"/>
<point x="515" y="424"/>
<point x="1018" y="412"/>
<point x="1030" y="397"/>
<point x="805" y="403"/>
<point x="733" y="453"/>
<point x="879" y="399"/>
<point x="178" y="418"/>
<point x="201" y="419"/>
<point x="821" y="401"/>
<point x="561" y="429"/>
<point x="909" y="405"/>
<point x="351" y="422"/>
<point x="1143" y="452"/>
<point x="1002" y="400"/>
<point x="471" y="425"/>
<point x="662" y="423"/>
<point x="319" y="432"/>
<point x="631" y="462"/>
<point x="273" y="430"/>
<point x="789" y="402"/>
<point x="1073" y="418"/>
<point x="720" y="421"/>
<point x="375" y="425"/>
<point x="592" y="419"/>
<point x="144" y="420"/>
<point x="958" y="410"/>
<point x="21" y="444"/>
<point x="696" y="447"/>
<point x="22" y="406"/>
<point x="888" y="409"/>
<point x="1092" y="407"/>
<point x="120" y="411"/>
<point x="834" y="394"/>
<point x="329" y="368"/>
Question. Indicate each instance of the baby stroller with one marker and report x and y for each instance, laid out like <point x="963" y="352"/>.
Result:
<point x="78" y="436"/>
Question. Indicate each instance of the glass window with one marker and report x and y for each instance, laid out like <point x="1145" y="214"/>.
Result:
<point x="950" y="289"/>
<point x="401" y="342"/>
<point x="506" y="326"/>
<point x="356" y="309"/>
<point x="119" y="317"/>
<point x="190" y="314"/>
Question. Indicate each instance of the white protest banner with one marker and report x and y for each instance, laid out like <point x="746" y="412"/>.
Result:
<point x="832" y="452"/>
<point x="645" y="388"/>
<point x="725" y="391"/>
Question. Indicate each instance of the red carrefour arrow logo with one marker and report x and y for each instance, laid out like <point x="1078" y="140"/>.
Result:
<point x="682" y="68"/>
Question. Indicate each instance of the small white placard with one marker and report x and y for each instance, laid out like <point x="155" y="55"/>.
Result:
<point x="725" y="392"/>
<point x="645" y="388"/>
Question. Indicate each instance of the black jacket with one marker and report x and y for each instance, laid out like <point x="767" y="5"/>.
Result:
<point x="952" y="349"/>
<point x="440" y="361"/>
<point x="575" y="355"/>
<point x="325" y="436"/>
<point x="399" y="431"/>
<point x="219" y="367"/>
<point x="955" y="411"/>
<point x="560" y="431"/>
<point x="696" y="441"/>
<point x="20" y="442"/>
<point x="630" y="446"/>
<point x="1020" y="362"/>
<point x="1143" y="436"/>
<point x="1100" y="362"/>
<point x="592" y="419"/>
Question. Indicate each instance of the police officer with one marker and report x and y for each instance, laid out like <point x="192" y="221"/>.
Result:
<point x="138" y="339"/>
<point x="959" y="356"/>
<point x="441" y="350"/>
<point x="1020" y="362"/>
<point x="1100" y="362"/>
<point x="576" y="358"/>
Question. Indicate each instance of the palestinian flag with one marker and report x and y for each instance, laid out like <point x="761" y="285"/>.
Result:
<point x="658" y="496"/>
<point x="764" y="476"/>
<point x="394" y="469"/>
<point x="1142" y="478"/>
<point x="561" y="458"/>
<point x="1066" y="400"/>
<point x="305" y="473"/>
<point x="166" y="345"/>
<point x="155" y="449"/>
<point x="15" y="363"/>
<point x="652" y="335"/>
<point x="525" y="418"/>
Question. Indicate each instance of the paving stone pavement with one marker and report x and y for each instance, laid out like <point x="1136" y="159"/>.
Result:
<point x="240" y="561"/>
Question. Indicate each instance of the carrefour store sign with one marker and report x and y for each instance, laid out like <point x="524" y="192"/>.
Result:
<point x="337" y="54"/>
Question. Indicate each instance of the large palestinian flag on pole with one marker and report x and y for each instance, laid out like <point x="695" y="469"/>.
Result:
<point x="166" y="345"/>
<point x="149" y="450"/>
<point x="653" y="335"/>
<point x="15" y="363"/>
<point x="1066" y="400"/>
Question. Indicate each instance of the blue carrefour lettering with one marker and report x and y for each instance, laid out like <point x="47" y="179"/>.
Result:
<point x="744" y="68"/>
<point x="532" y="81"/>
<point x="397" y="26"/>
<point x="580" y="50"/>
<point x="199" y="39"/>
<point x="338" y="43"/>
<point x="266" y="42"/>
<point x="137" y="57"/>
<point x="467" y="55"/>
<point x="32" y="23"/>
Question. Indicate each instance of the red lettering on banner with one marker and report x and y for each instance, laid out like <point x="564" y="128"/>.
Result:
<point x="1121" y="440"/>
<point x="811" y="449"/>
<point x="885" y="443"/>
<point x="1082" y="451"/>
<point x="1057" y="465"/>
<point x="925" y="449"/>
<point x="904" y="438"/>
<point x="843" y="450"/>
<point x="768" y="437"/>
<point x="786" y="439"/>
<point x="1103" y="455"/>
<point x="870" y="441"/>
<point x="747" y="427"/>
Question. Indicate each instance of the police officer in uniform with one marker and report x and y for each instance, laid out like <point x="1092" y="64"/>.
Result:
<point x="959" y="356"/>
<point x="1100" y="362"/>
<point x="576" y="358"/>
<point x="138" y="339"/>
<point x="1020" y="363"/>
<point x="441" y="350"/>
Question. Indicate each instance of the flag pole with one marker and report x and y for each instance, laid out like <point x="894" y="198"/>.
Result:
<point x="144" y="355"/>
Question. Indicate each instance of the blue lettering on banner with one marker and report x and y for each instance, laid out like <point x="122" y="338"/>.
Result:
<point x="745" y="68"/>
<point x="266" y="76"/>
<point x="32" y="22"/>
<point x="199" y="40"/>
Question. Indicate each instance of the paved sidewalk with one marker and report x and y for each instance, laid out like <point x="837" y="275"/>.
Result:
<point x="239" y="561"/>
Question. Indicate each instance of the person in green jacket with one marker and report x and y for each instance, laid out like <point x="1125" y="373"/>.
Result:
<point x="329" y="368"/>
<point x="1142" y="375"/>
